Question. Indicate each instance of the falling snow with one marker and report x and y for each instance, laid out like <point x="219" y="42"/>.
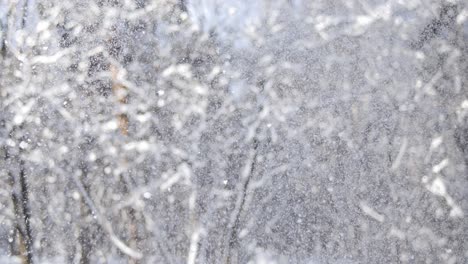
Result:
<point x="233" y="131"/>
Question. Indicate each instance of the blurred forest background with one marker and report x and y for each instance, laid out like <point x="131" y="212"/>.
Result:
<point x="235" y="131"/>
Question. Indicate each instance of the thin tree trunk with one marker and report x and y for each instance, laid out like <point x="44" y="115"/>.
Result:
<point x="22" y="234"/>
<point x="24" y="189"/>
<point x="26" y="212"/>
<point x="120" y="91"/>
<point x="84" y="236"/>
<point x="234" y="226"/>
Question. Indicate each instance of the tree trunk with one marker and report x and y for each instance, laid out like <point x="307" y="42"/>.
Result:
<point x="120" y="91"/>
<point x="28" y="239"/>
<point x="233" y="228"/>
<point x="20" y="200"/>
<point x="84" y="237"/>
